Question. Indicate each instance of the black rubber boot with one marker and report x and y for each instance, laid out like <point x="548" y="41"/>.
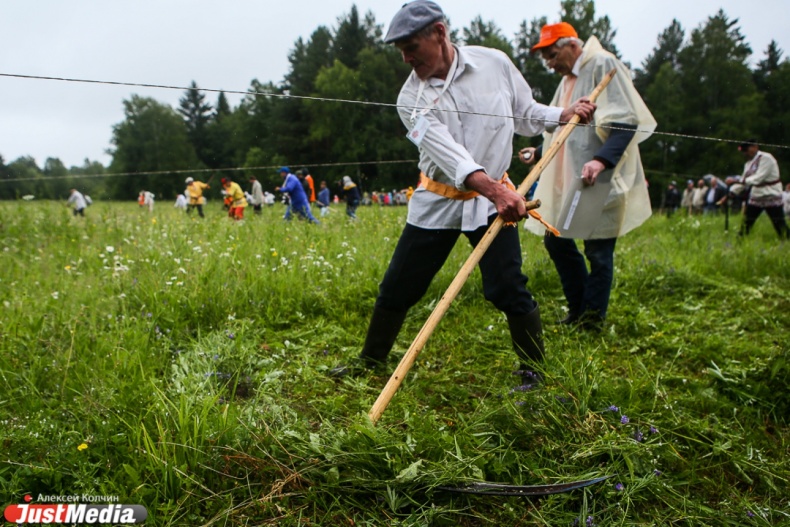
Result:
<point x="526" y="331"/>
<point x="384" y="327"/>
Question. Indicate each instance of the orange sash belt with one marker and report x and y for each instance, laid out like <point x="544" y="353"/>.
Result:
<point x="451" y="192"/>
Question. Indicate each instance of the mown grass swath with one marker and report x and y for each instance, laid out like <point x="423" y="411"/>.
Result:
<point x="191" y="357"/>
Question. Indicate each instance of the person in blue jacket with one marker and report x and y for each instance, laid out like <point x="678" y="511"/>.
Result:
<point x="299" y="203"/>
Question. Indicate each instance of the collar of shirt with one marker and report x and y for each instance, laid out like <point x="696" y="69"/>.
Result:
<point x="577" y="66"/>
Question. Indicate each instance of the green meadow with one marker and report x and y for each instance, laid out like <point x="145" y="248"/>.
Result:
<point x="182" y="364"/>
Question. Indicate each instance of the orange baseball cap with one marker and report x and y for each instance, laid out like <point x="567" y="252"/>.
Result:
<point x="551" y="33"/>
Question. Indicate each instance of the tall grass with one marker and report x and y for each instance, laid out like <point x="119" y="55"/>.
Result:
<point x="191" y="357"/>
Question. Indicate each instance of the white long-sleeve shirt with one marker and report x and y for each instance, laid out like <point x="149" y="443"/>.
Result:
<point x="762" y="174"/>
<point x="471" y="128"/>
<point x="78" y="200"/>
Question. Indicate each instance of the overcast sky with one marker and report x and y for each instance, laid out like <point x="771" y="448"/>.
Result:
<point x="224" y="45"/>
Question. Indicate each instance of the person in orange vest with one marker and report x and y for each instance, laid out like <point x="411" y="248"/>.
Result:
<point x="236" y="198"/>
<point x="310" y="190"/>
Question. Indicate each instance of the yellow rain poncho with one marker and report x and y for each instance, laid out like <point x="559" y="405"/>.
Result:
<point x="627" y="204"/>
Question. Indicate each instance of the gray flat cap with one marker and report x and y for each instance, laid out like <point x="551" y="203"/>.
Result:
<point x="411" y="18"/>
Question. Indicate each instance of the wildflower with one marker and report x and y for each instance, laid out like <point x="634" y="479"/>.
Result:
<point x="55" y="295"/>
<point x="750" y="514"/>
<point x="653" y="429"/>
<point x="110" y="249"/>
<point x="522" y="388"/>
<point x="231" y="336"/>
<point x="613" y="408"/>
<point x="657" y="472"/>
<point x="624" y="419"/>
<point x="67" y="268"/>
<point x="589" y="521"/>
<point x="638" y="436"/>
<point x="82" y="447"/>
<point x="619" y="487"/>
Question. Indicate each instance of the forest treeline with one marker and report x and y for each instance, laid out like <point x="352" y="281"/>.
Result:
<point x="700" y="82"/>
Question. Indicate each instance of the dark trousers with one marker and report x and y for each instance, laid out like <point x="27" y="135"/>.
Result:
<point x="584" y="290"/>
<point x="198" y="207"/>
<point x="420" y="254"/>
<point x="775" y="213"/>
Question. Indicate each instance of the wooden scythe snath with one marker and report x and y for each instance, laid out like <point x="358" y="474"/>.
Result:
<point x="466" y="270"/>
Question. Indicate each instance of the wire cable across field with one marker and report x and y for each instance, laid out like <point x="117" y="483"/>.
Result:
<point x="366" y="103"/>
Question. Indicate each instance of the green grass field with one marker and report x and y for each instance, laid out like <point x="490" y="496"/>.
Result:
<point x="190" y="357"/>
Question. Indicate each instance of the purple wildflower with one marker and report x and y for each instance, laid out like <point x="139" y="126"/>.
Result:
<point x="589" y="521"/>
<point x="624" y="419"/>
<point x="638" y="436"/>
<point x="657" y="472"/>
<point x="653" y="429"/>
<point x="750" y="514"/>
<point x="619" y="487"/>
<point x="231" y="336"/>
<point x="613" y="408"/>
<point x="522" y="388"/>
<point x="326" y="352"/>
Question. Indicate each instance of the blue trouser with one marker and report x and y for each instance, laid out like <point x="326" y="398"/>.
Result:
<point x="420" y="254"/>
<point x="584" y="290"/>
<point x="303" y="210"/>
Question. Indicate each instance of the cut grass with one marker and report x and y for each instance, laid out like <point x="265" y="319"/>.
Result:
<point x="191" y="357"/>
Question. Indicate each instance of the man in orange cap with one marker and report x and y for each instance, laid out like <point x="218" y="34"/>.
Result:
<point x="595" y="189"/>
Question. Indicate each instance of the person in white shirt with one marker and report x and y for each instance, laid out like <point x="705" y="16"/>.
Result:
<point x="181" y="202"/>
<point x="456" y="105"/>
<point x="146" y="199"/>
<point x="256" y="198"/>
<point x="77" y="200"/>
<point x="761" y="177"/>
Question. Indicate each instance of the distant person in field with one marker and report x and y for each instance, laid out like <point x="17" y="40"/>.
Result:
<point x="671" y="199"/>
<point x="716" y="195"/>
<point x="698" y="200"/>
<point x="606" y="154"/>
<point x="352" y="197"/>
<point x="298" y="198"/>
<point x="310" y="188"/>
<point x="457" y="105"/>
<point x="181" y="202"/>
<point x="77" y="201"/>
<point x="147" y="199"/>
<point x="237" y="202"/>
<point x="195" y="195"/>
<point x="323" y="199"/>
<point x="687" y="198"/>
<point x="257" y="195"/>
<point x="761" y="177"/>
